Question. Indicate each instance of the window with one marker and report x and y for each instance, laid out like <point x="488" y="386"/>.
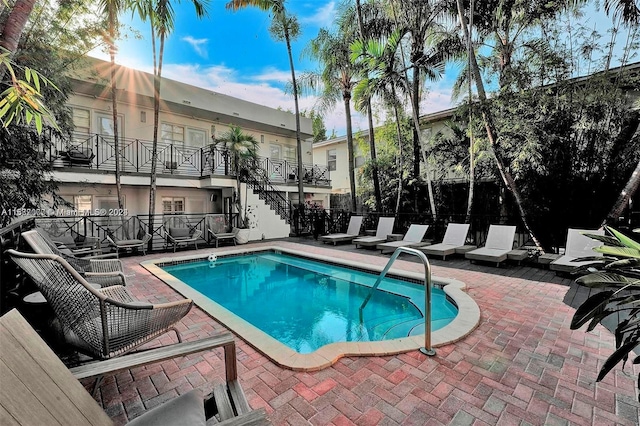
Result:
<point x="105" y="125"/>
<point x="82" y="204"/>
<point x="81" y="120"/>
<point x="359" y="161"/>
<point x="172" y="133"/>
<point x="290" y="153"/>
<point x="197" y="137"/>
<point x="108" y="203"/>
<point x="331" y="159"/>
<point x="275" y="151"/>
<point x="172" y="205"/>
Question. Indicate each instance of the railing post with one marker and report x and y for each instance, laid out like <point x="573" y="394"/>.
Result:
<point x="427" y="349"/>
<point x="137" y="156"/>
<point x="97" y="151"/>
<point x="171" y="158"/>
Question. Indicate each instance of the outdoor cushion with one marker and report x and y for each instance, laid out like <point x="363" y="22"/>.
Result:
<point x="180" y="232"/>
<point x="187" y="410"/>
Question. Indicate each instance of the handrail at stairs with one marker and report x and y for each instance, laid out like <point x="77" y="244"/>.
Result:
<point x="427" y="349"/>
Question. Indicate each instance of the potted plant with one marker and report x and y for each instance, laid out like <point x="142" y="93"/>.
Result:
<point x="243" y="150"/>
<point x="618" y="276"/>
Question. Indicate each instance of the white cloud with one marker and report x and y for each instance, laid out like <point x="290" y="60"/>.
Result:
<point x="324" y="16"/>
<point x="272" y="74"/>
<point x="198" y="44"/>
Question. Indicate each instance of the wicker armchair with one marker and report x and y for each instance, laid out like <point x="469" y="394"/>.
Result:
<point x="105" y="272"/>
<point x="183" y="235"/>
<point x="133" y="244"/>
<point x="104" y="322"/>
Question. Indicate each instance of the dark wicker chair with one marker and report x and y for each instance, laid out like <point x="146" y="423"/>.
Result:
<point x="105" y="322"/>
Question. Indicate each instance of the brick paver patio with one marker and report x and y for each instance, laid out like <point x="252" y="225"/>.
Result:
<point x="522" y="365"/>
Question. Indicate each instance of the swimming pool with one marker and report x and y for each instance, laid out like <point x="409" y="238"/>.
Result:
<point x="312" y="348"/>
<point x="305" y="304"/>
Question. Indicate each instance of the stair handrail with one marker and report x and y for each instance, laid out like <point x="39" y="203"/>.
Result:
<point x="259" y="181"/>
<point x="427" y="349"/>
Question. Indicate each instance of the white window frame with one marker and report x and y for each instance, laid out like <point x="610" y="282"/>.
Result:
<point x="172" y="201"/>
<point x="81" y="129"/>
<point x="194" y="130"/>
<point x="332" y="159"/>
<point x="289" y="153"/>
<point x="172" y="140"/>
<point x="271" y="150"/>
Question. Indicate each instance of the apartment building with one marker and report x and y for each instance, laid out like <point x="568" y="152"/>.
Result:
<point x="194" y="174"/>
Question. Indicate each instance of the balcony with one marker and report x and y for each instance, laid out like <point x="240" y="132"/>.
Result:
<point x="97" y="152"/>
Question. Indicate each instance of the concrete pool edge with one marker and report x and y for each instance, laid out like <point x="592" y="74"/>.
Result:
<point x="464" y="323"/>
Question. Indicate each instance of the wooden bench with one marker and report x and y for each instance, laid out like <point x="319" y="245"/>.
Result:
<point x="37" y="388"/>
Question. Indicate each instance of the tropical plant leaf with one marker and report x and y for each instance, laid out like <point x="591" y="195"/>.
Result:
<point x="591" y="307"/>
<point x="621" y="354"/>
<point x="618" y="251"/>
<point x="598" y="318"/>
<point x="624" y="263"/>
<point x="608" y="240"/>
<point x="628" y="242"/>
<point x="628" y="325"/>
<point x="603" y="279"/>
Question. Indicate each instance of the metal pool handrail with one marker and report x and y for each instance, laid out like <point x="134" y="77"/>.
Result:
<point x="427" y="349"/>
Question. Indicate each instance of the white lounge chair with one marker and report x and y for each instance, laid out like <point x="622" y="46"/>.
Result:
<point x="577" y="246"/>
<point x="413" y="238"/>
<point x="454" y="237"/>
<point x="499" y="243"/>
<point x="385" y="227"/>
<point x="355" y="223"/>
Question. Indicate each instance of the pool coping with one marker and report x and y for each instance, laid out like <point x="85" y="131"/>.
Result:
<point x="463" y="324"/>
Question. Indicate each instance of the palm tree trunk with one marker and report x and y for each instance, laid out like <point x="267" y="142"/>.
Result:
<point x="377" y="193"/>
<point x="629" y="190"/>
<point x="372" y="142"/>
<point x="352" y="180"/>
<point x="13" y="28"/>
<point x="114" y="101"/>
<point x="472" y="175"/>
<point x="157" y="75"/>
<point x="491" y="131"/>
<point x="297" y="112"/>
<point x="114" y="106"/>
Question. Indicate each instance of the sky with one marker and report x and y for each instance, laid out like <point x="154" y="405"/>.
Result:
<point x="233" y="53"/>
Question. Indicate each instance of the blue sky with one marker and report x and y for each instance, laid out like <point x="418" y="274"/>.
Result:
<point x="233" y="53"/>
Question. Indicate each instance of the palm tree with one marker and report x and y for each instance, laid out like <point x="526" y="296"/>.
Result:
<point x="13" y="27"/>
<point x="334" y="81"/>
<point x="492" y="134"/>
<point x="243" y="149"/>
<point x="372" y="143"/>
<point x="111" y="8"/>
<point x="379" y="57"/>
<point x="284" y="27"/>
<point x="161" y="17"/>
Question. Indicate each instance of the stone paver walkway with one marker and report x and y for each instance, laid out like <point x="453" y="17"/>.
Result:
<point x="522" y="365"/>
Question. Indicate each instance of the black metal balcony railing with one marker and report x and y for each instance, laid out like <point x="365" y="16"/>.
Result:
<point x="98" y="152"/>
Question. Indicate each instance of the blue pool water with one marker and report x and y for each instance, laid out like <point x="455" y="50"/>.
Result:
<point x="306" y="304"/>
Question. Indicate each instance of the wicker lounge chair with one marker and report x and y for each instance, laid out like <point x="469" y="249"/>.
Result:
<point x="413" y="238"/>
<point x="222" y="236"/>
<point x="353" y="230"/>
<point x="578" y="246"/>
<point x="181" y="236"/>
<point x="104" y="322"/>
<point x="385" y="227"/>
<point x="105" y="272"/>
<point x="499" y="243"/>
<point x="40" y="390"/>
<point x="454" y="237"/>
<point x="128" y="244"/>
